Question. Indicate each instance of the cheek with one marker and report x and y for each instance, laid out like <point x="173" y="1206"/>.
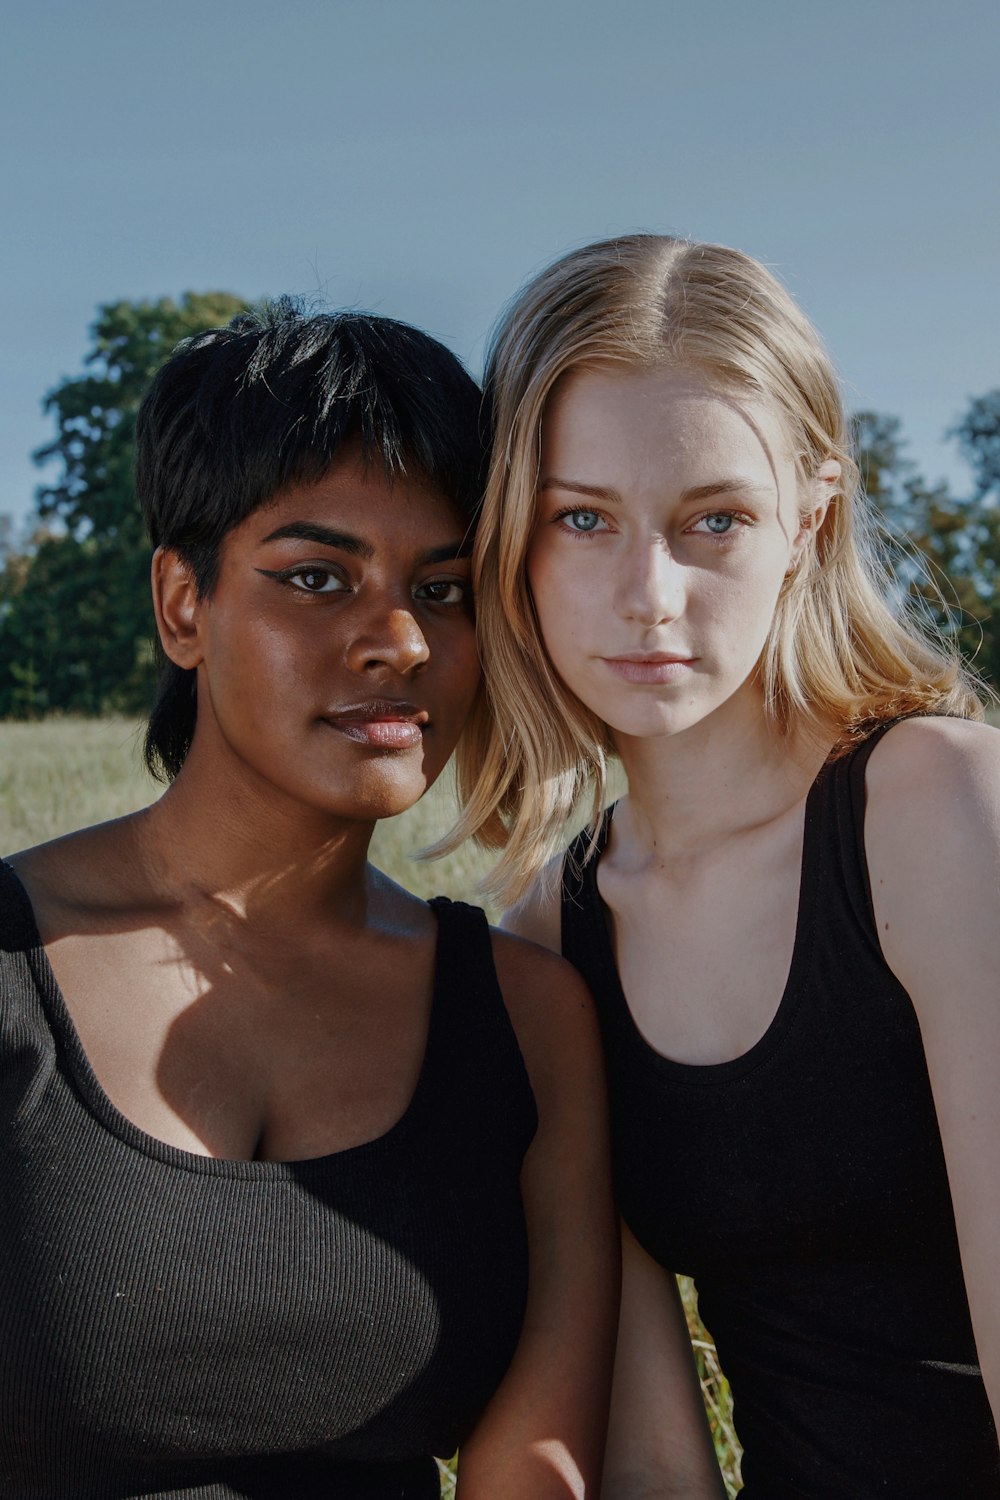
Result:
<point x="559" y="590"/>
<point x="739" y="609"/>
<point x="253" y="668"/>
<point x="262" y="653"/>
<point x="535" y="572"/>
<point x="549" y="609"/>
<point x="467" y="672"/>
<point x="457" y="656"/>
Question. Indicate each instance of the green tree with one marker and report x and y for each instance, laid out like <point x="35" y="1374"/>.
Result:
<point x="75" y="636"/>
<point x="95" y="413"/>
<point x="946" y="548"/>
<point x="17" y="691"/>
<point x="978" y="436"/>
<point x="75" y="624"/>
<point x="8" y="561"/>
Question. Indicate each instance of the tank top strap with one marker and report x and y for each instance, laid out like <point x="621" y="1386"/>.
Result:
<point x="585" y="939"/>
<point x="18" y="928"/>
<point x="24" y="994"/>
<point x="841" y="795"/>
<point x="579" y="870"/>
<point x="465" y="950"/>
<point x="468" y="993"/>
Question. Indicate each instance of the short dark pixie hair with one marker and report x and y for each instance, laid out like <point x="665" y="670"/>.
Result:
<point x="239" y="414"/>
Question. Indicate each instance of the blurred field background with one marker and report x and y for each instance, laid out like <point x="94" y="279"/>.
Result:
<point x="61" y="774"/>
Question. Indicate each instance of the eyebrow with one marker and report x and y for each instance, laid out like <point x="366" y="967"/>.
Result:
<point x="450" y="551"/>
<point x="595" y="491"/>
<point x="725" y="486"/>
<point x="355" y="546"/>
<point x="323" y="536"/>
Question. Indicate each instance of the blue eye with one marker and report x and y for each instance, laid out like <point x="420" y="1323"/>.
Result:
<point x="580" y="520"/>
<point x="716" y="523"/>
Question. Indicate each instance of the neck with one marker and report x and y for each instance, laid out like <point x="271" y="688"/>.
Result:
<point x="246" y="851"/>
<point x="733" y="771"/>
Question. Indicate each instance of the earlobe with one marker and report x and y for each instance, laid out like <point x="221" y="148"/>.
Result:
<point x="825" y="483"/>
<point x="176" y="606"/>
<point x="823" y="488"/>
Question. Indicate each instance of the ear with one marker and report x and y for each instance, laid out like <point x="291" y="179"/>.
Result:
<point x="177" y="607"/>
<point x="821" y="490"/>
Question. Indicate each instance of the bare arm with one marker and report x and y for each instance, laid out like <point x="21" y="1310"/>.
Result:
<point x="658" y="1440"/>
<point x="933" y="842"/>
<point x="659" y="1446"/>
<point x="542" y="1435"/>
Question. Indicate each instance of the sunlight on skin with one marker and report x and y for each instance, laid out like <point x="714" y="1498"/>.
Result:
<point x="558" y="1458"/>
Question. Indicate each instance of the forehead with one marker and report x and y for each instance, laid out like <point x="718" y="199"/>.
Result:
<point x="637" y="420"/>
<point x="359" y="496"/>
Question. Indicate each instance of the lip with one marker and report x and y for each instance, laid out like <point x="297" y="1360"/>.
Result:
<point x="650" y="666"/>
<point x="380" y="723"/>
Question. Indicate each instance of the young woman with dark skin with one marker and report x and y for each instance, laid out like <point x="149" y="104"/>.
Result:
<point x="331" y="1184"/>
<point x="789" y="920"/>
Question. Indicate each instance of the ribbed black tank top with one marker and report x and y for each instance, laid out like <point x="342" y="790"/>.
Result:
<point x="173" y="1325"/>
<point x="803" y="1186"/>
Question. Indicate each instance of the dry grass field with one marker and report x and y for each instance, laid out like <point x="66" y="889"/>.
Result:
<point x="63" y="774"/>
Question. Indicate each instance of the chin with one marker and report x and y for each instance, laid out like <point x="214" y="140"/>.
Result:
<point x="661" y="730"/>
<point x="390" y="790"/>
<point x="662" y="722"/>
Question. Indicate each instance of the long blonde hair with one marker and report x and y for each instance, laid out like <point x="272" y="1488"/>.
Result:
<point x="837" y="659"/>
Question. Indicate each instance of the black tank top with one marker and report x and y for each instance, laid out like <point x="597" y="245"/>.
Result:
<point x="174" y="1325"/>
<point x="803" y="1186"/>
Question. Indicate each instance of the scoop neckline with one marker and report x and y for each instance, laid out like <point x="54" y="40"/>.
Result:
<point x="100" y="1106"/>
<point x="775" y="1031"/>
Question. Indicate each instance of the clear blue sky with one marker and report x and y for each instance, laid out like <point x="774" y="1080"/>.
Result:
<point x="422" y="157"/>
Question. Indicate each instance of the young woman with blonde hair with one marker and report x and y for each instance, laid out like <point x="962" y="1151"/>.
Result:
<point x="789" y="921"/>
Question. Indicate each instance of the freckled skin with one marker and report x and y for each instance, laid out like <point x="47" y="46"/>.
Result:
<point x="639" y="564"/>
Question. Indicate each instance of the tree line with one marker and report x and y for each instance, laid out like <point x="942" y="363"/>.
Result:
<point x="75" y="620"/>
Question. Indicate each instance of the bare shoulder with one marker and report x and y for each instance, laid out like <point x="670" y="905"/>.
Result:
<point x="933" y="787"/>
<point x="537" y="916"/>
<point x="45" y="871"/>
<point x="920" y="757"/>
<point x="932" y="836"/>
<point x="79" y="872"/>
<point x="549" y="1005"/>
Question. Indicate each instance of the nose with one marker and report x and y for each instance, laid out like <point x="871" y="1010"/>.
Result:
<point x="651" y="583"/>
<point x="389" y="638"/>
